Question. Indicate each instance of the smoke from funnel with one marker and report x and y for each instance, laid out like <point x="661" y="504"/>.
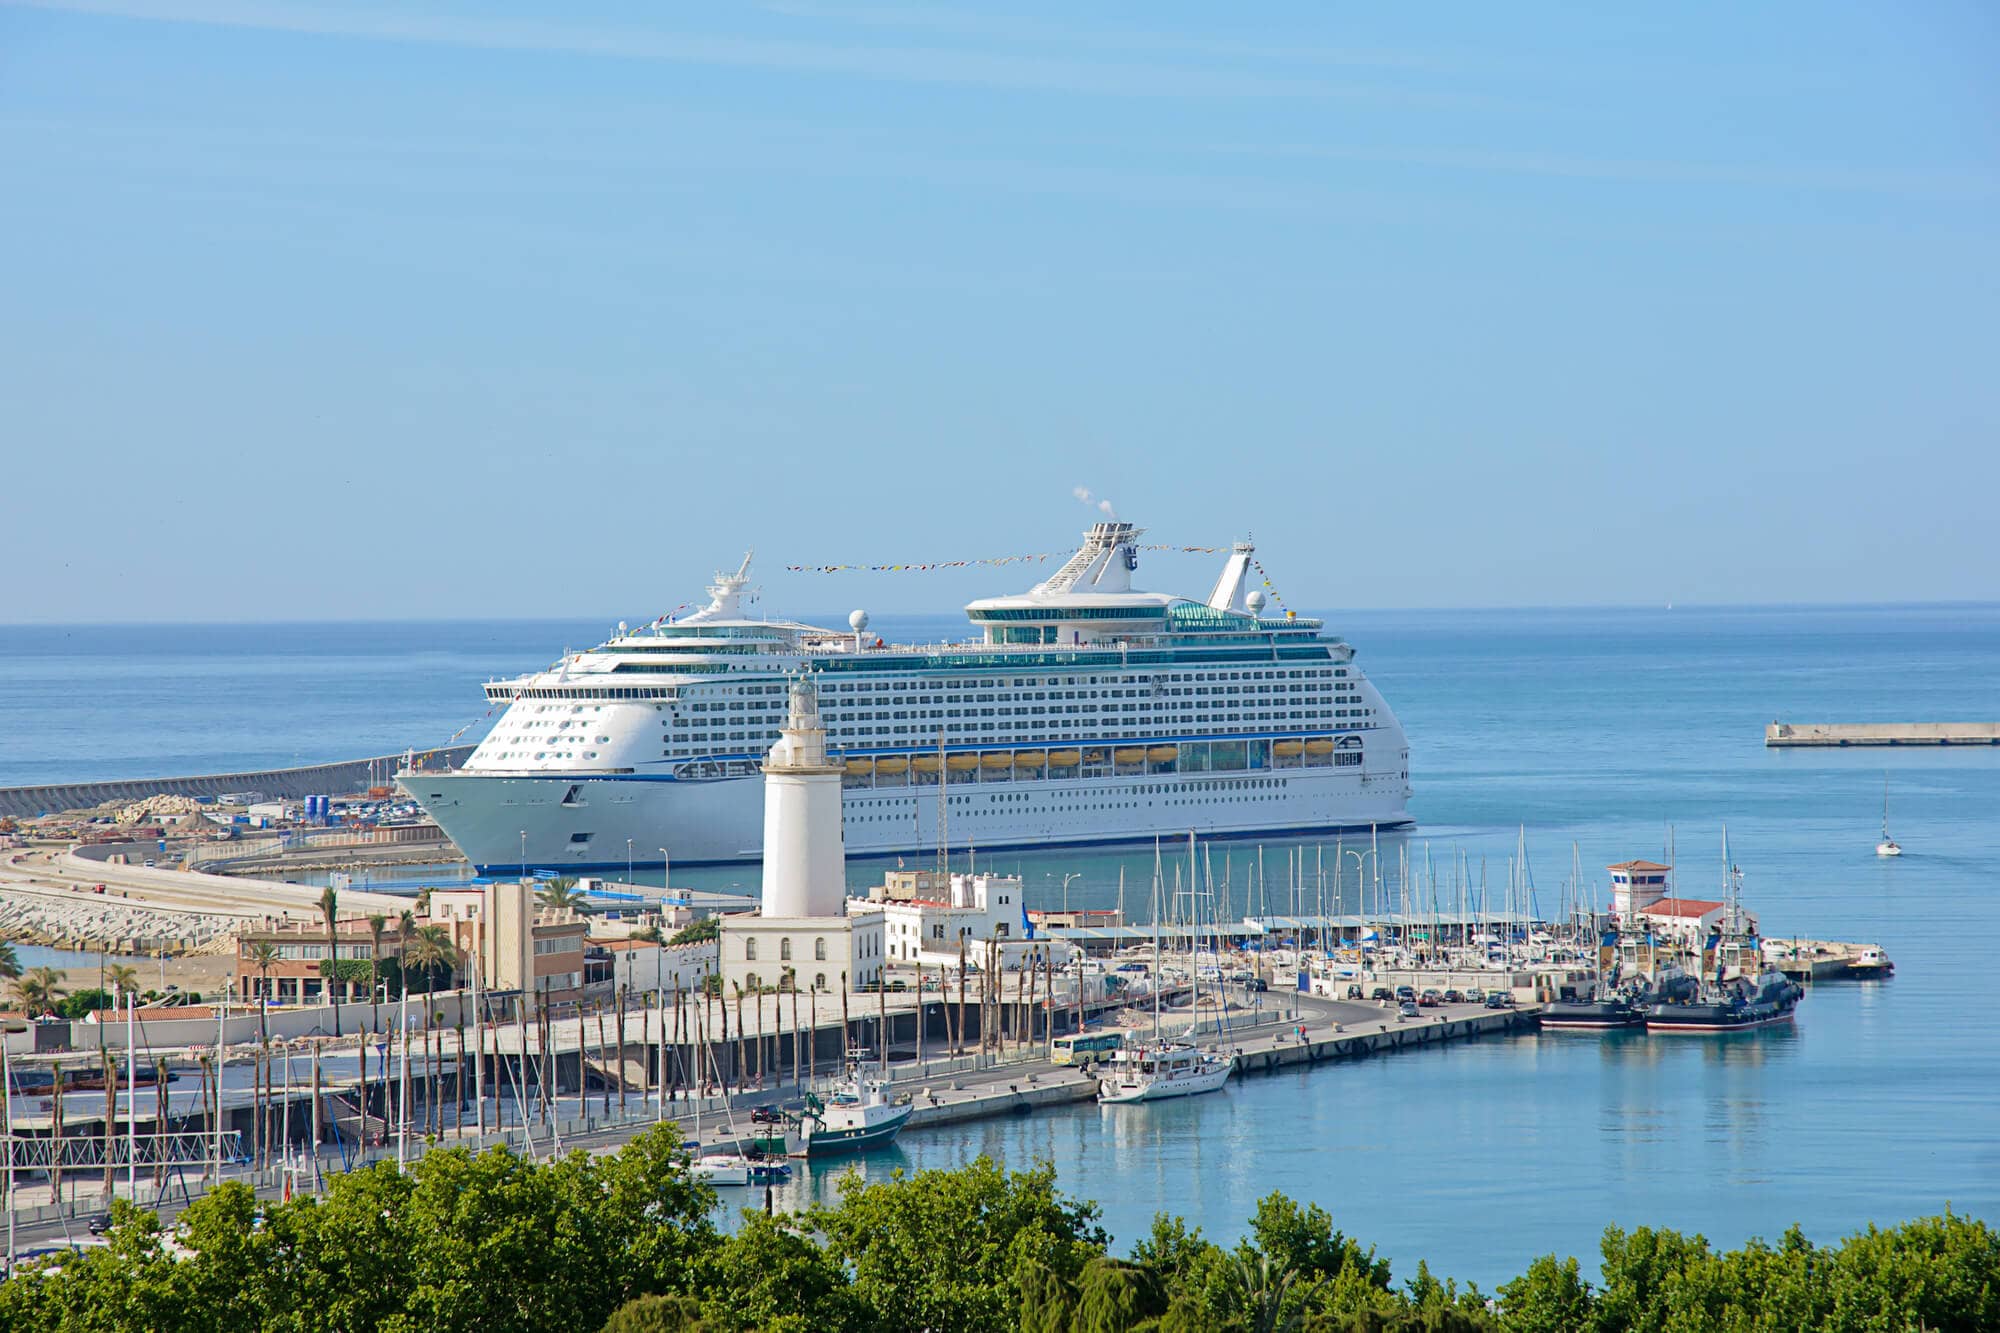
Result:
<point x="1103" y="506"/>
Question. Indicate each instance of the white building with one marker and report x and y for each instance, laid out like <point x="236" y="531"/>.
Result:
<point x="927" y="931"/>
<point x="805" y="936"/>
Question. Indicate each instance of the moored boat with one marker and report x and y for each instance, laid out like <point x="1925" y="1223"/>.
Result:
<point x="1160" y="1070"/>
<point x="859" y="1113"/>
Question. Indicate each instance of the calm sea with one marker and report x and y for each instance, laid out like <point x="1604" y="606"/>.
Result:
<point x="1602" y="729"/>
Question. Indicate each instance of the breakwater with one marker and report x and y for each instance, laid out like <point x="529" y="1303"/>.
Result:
<point x="282" y="783"/>
<point x="1805" y="735"/>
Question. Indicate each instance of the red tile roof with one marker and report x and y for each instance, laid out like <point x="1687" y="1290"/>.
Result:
<point x="1685" y="907"/>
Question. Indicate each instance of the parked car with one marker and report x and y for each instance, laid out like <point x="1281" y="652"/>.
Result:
<point x="1408" y="1009"/>
<point x="1406" y="993"/>
<point x="1429" y="999"/>
<point x="766" y="1115"/>
<point x="1453" y="997"/>
<point x="897" y="987"/>
<point x="1499" y="1000"/>
<point x="1381" y="993"/>
<point x="1475" y="996"/>
<point x="100" y="1224"/>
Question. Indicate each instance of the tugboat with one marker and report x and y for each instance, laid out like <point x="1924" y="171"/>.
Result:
<point x="858" y="1114"/>
<point x="1685" y="1004"/>
<point x="1609" y="1011"/>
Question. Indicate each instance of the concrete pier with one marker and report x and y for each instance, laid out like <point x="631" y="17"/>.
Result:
<point x="1786" y="735"/>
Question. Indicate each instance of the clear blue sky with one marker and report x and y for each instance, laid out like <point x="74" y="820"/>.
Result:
<point x="397" y="309"/>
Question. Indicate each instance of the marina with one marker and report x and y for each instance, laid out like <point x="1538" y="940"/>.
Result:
<point x="1524" y="1085"/>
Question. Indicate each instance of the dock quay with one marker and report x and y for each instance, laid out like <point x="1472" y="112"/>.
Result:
<point x="1808" y="735"/>
<point x="1829" y="960"/>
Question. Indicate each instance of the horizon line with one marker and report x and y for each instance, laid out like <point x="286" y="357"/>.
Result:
<point x="1315" y="613"/>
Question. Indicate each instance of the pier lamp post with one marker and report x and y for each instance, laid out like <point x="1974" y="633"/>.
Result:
<point x="1360" y="877"/>
<point x="628" y="860"/>
<point x="1065" y="891"/>
<point x="666" y="865"/>
<point x="524" y="855"/>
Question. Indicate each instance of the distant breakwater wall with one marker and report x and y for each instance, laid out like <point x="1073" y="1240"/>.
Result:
<point x="1806" y="735"/>
<point x="279" y="783"/>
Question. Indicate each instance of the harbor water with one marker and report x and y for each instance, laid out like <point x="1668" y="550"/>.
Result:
<point x="1601" y="728"/>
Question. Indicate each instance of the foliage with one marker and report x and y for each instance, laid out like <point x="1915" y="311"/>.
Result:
<point x="82" y="1002"/>
<point x="561" y="894"/>
<point x="623" y="1243"/>
<point x="10" y="962"/>
<point x="431" y="955"/>
<point x="348" y="971"/>
<point x="699" y="932"/>
<point x="39" y="988"/>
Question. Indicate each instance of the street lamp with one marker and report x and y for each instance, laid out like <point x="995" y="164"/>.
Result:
<point x="1065" y="890"/>
<point x="628" y="860"/>
<point x="1360" y="862"/>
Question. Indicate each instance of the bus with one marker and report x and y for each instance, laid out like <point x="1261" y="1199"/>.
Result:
<point x="1087" y="1047"/>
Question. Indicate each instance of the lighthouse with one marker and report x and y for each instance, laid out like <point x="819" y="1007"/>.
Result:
<point x="805" y="861"/>
<point x="805" y="934"/>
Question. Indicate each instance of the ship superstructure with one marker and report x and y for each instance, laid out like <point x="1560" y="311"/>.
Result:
<point x="1086" y="711"/>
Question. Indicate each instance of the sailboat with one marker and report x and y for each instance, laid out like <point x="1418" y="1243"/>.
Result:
<point x="1161" y="1068"/>
<point x="1888" y="846"/>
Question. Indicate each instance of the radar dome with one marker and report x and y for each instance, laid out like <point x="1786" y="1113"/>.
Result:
<point x="857" y="621"/>
<point x="621" y="627"/>
<point x="1256" y="601"/>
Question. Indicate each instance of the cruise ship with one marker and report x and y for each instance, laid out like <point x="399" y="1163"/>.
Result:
<point x="1083" y="710"/>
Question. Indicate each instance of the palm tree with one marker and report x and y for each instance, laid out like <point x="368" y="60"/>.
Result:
<point x="1265" y="1286"/>
<point x="263" y="955"/>
<point x="124" y="978"/>
<point x="561" y="894"/>
<point x="377" y="923"/>
<point x="39" y="988"/>
<point x="10" y="962"/>
<point x="430" y="951"/>
<point x="329" y="907"/>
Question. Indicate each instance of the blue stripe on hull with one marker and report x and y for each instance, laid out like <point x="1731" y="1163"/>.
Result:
<point x="1028" y="844"/>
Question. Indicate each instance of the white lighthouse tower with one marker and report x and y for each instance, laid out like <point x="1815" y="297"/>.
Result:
<point x="805" y="861"/>
<point x="805" y="936"/>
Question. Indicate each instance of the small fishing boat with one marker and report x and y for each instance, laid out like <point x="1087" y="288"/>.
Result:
<point x="859" y="1113"/>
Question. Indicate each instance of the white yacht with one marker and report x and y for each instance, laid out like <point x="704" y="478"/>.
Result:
<point x="1161" y="1069"/>
<point x="1086" y="711"/>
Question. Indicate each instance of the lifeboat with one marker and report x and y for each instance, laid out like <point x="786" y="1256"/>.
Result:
<point x="1287" y="749"/>
<point x="1164" y="754"/>
<point x="892" y="764"/>
<point x="1129" y="754"/>
<point x="996" y="759"/>
<point x="1319" y="746"/>
<point x="1065" y="758"/>
<point x="925" y="763"/>
<point x="1094" y="756"/>
<point x="961" y="763"/>
<point x="1029" y="759"/>
<point x="860" y="768"/>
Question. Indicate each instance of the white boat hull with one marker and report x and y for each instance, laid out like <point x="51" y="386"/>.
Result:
<point x="578" y="822"/>
<point x="1111" y="1092"/>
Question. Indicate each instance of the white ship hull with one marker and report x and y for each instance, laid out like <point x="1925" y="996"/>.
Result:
<point x="497" y="820"/>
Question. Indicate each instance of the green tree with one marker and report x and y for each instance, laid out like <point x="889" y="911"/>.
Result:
<point x="264" y="957"/>
<point x="1551" y="1297"/>
<point x="82" y="1002"/>
<point x="948" y="1249"/>
<point x="10" y="962"/>
<point x="699" y="932"/>
<point x="771" y="1276"/>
